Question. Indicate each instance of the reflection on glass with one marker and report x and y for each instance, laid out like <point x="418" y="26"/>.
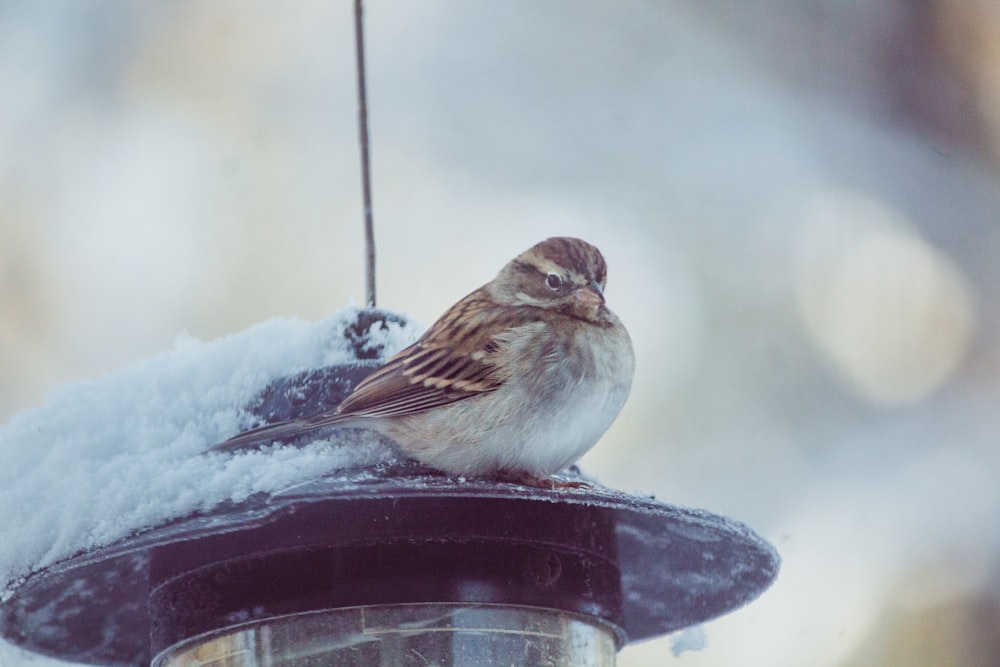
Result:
<point x="422" y="635"/>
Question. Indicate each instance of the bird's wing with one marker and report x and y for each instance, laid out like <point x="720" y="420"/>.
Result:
<point x="457" y="358"/>
<point x="460" y="356"/>
<point x="419" y="378"/>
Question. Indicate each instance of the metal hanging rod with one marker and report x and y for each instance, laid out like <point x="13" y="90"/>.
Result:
<point x="366" y="184"/>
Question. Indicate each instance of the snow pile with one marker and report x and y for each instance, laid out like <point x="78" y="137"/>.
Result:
<point x="102" y="459"/>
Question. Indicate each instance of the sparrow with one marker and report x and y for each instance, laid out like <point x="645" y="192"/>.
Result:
<point x="515" y="381"/>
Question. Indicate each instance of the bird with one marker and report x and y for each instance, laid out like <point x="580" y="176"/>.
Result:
<point x="516" y="381"/>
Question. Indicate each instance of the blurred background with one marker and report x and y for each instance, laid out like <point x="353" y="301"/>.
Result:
<point x="798" y="201"/>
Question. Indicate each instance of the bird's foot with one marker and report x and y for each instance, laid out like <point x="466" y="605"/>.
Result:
<point x="550" y="483"/>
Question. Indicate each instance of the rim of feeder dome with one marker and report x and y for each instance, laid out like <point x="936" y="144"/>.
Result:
<point x="400" y="535"/>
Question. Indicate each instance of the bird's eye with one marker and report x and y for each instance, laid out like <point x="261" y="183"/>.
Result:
<point x="554" y="281"/>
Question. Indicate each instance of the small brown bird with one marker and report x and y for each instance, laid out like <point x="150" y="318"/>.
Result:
<point x="518" y="379"/>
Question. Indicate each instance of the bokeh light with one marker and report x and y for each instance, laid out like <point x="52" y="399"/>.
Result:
<point x="892" y="315"/>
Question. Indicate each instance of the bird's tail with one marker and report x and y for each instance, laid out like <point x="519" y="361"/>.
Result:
<point x="284" y="432"/>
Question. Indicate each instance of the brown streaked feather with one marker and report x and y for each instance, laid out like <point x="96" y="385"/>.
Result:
<point x="455" y="359"/>
<point x="408" y="384"/>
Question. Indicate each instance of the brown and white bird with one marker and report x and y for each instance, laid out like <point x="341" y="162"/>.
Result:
<point x="518" y="379"/>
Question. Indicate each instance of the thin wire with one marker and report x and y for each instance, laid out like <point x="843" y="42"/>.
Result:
<point x="366" y="184"/>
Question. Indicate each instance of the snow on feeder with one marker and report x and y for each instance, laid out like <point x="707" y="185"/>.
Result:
<point x="339" y="553"/>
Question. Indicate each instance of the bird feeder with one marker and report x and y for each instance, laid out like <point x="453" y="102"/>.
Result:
<point x="396" y="565"/>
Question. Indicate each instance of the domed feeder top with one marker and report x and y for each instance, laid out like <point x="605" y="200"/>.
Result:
<point x="392" y="533"/>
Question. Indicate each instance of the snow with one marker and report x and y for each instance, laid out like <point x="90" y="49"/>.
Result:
<point x="102" y="459"/>
<point x="694" y="638"/>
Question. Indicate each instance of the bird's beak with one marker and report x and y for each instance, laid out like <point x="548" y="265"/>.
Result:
<point x="590" y="296"/>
